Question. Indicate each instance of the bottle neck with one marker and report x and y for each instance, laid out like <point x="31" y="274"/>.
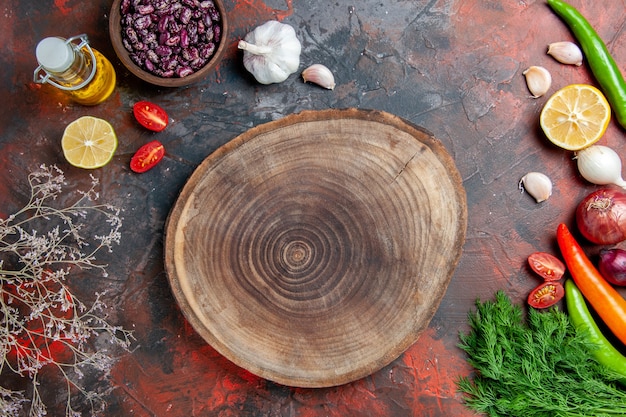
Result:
<point x="77" y="73"/>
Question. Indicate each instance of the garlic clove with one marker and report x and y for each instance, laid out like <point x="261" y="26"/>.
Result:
<point x="320" y="75"/>
<point x="538" y="185"/>
<point x="566" y="53"/>
<point x="538" y="80"/>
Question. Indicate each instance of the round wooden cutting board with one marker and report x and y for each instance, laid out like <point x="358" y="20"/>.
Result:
<point x="313" y="250"/>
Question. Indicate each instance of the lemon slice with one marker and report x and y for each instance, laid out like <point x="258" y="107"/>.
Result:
<point x="575" y="117"/>
<point x="89" y="142"/>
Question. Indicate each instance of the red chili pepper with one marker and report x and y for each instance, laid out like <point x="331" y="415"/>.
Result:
<point x="606" y="301"/>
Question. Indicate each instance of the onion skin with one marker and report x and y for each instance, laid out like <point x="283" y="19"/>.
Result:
<point x="612" y="266"/>
<point x="601" y="216"/>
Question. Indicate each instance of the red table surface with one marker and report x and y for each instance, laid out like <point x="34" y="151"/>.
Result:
<point x="453" y="67"/>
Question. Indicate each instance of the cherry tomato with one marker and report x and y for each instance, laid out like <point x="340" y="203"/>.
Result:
<point x="546" y="294"/>
<point x="547" y="266"/>
<point x="150" y="116"/>
<point x="147" y="156"/>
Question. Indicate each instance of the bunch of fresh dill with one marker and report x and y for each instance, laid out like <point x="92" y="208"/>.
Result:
<point x="534" y="366"/>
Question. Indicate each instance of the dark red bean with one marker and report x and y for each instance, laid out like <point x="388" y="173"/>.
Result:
<point x="131" y="35"/>
<point x="184" y="71"/>
<point x="185" y="15"/>
<point x="172" y="64"/>
<point x="197" y="14"/>
<point x="142" y="22"/>
<point x="190" y="54"/>
<point x="139" y="46"/>
<point x="163" y="50"/>
<point x="127" y="45"/>
<point x="124" y="6"/>
<point x="174" y="26"/>
<point x="168" y="38"/>
<point x="160" y="4"/>
<point x="215" y="15"/>
<point x="138" y="58"/>
<point x="209" y="35"/>
<point x="162" y="25"/>
<point x="127" y="20"/>
<point x="206" y="19"/>
<point x="184" y="39"/>
<point x="174" y="7"/>
<point x="207" y="50"/>
<point x="198" y="63"/>
<point x="145" y="9"/>
<point x="173" y="40"/>
<point x="152" y="56"/>
<point x="150" y="39"/>
<point x="192" y="28"/>
<point x="149" y="65"/>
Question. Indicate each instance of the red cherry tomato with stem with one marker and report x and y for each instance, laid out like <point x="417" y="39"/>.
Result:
<point x="147" y="156"/>
<point x="546" y="294"/>
<point x="547" y="266"/>
<point x="150" y="116"/>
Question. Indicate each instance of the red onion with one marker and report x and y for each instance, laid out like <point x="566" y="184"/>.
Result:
<point x="612" y="266"/>
<point x="601" y="216"/>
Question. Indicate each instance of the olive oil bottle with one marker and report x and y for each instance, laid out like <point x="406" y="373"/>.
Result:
<point x="86" y="75"/>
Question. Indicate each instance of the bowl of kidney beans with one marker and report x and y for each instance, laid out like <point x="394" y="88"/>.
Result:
<point x="170" y="43"/>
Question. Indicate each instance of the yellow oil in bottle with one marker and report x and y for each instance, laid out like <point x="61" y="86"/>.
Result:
<point x="100" y="87"/>
<point x="86" y="75"/>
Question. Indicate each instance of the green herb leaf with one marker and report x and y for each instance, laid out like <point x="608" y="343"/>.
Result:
<point x="534" y="366"/>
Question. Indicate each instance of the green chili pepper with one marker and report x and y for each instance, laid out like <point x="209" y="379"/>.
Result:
<point x="602" y="64"/>
<point x="605" y="353"/>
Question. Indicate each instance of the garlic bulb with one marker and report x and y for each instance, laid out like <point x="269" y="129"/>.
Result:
<point x="271" y="52"/>
<point x="538" y="80"/>
<point x="538" y="185"/>
<point x="566" y="53"/>
<point x="320" y="75"/>
<point x="600" y="165"/>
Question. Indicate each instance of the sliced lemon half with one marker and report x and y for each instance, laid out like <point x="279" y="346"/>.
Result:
<point x="575" y="117"/>
<point x="89" y="142"/>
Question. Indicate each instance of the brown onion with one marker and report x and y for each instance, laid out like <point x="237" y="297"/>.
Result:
<point x="601" y="216"/>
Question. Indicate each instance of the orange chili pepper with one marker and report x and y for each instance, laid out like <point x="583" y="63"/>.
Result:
<point x="606" y="301"/>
